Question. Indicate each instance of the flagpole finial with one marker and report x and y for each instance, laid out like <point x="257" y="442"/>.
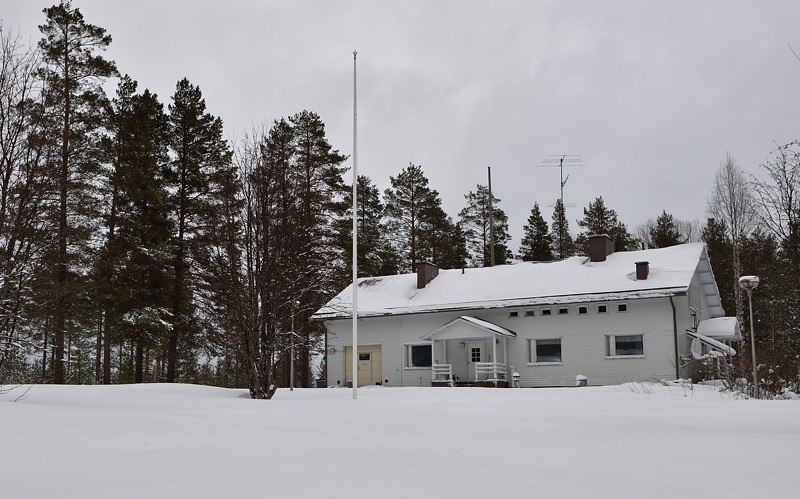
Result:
<point x="355" y="53"/>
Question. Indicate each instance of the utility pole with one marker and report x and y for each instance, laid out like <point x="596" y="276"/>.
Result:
<point x="491" y="221"/>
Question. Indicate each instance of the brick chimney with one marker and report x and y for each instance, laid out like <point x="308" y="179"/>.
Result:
<point x="642" y="270"/>
<point x="600" y="246"/>
<point x="426" y="271"/>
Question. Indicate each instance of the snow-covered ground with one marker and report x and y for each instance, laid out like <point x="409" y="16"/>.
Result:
<point x="183" y="441"/>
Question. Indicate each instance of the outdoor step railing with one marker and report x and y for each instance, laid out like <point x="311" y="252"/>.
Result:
<point x="442" y="372"/>
<point x="491" y="370"/>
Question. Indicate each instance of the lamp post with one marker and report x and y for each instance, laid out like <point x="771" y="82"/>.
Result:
<point x="749" y="283"/>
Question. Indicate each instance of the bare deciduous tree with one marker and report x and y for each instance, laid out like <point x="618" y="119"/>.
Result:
<point x="733" y="203"/>
<point x="779" y="196"/>
<point x="24" y="181"/>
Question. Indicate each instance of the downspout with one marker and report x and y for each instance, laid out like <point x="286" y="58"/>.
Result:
<point x="675" y="333"/>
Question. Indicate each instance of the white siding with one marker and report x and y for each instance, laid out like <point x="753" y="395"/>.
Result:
<point x="583" y="348"/>
<point x="582" y="343"/>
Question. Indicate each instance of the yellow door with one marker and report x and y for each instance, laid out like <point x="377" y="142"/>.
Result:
<point x="369" y="364"/>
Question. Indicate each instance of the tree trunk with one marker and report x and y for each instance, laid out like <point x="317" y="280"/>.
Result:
<point x="139" y="362"/>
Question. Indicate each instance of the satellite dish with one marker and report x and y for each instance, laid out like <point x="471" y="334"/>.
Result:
<point x="697" y="349"/>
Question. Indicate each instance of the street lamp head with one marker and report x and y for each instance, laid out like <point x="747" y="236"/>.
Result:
<point x="748" y="282"/>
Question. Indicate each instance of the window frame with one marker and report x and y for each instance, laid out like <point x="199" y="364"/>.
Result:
<point x="611" y="346"/>
<point x="622" y="308"/>
<point x="583" y="310"/>
<point x="546" y="312"/>
<point x="562" y="311"/>
<point x="409" y="355"/>
<point x="532" y="352"/>
<point x="604" y="309"/>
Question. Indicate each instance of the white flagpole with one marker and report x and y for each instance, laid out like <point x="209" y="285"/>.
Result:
<point x="355" y="232"/>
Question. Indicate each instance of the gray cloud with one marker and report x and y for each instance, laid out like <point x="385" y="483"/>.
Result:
<point x="652" y="94"/>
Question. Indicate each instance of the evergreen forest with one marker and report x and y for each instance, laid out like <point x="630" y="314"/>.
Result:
<point x="139" y="245"/>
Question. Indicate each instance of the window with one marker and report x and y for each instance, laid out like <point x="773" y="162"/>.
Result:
<point x="602" y="309"/>
<point x="546" y="351"/>
<point x="530" y="313"/>
<point x="419" y="356"/>
<point x="365" y="356"/>
<point x="583" y="310"/>
<point x="624" y="345"/>
<point x="546" y="311"/>
<point x="513" y="314"/>
<point x="622" y="307"/>
<point x="475" y="354"/>
<point x="563" y="311"/>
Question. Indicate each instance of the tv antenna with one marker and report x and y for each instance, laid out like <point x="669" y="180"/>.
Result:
<point x="553" y="160"/>
<point x="559" y="160"/>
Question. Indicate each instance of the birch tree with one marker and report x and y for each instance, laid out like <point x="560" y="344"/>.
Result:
<point x="25" y="181"/>
<point x="733" y="205"/>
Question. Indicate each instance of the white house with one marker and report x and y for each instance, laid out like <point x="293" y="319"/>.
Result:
<point x="608" y="318"/>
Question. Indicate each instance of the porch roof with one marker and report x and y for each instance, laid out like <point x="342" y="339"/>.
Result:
<point x="720" y="328"/>
<point x="466" y="326"/>
<point x="718" y="345"/>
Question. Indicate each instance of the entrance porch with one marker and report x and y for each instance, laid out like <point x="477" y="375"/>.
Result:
<point x="468" y="351"/>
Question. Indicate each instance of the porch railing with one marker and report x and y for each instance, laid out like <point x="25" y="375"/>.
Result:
<point x="490" y="371"/>
<point x="442" y="372"/>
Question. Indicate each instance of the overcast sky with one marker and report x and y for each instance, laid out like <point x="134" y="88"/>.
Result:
<point x="651" y="94"/>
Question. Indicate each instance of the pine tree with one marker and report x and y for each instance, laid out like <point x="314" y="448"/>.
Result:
<point x="406" y="202"/>
<point x="199" y="151"/>
<point x="598" y="219"/>
<point x="475" y="222"/>
<point x="137" y="273"/>
<point x="563" y="245"/>
<point x="73" y="74"/>
<point x="375" y="255"/>
<point x="665" y="233"/>
<point x="320" y="170"/>
<point x="442" y="241"/>
<point x="537" y="242"/>
<point x="718" y="244"/>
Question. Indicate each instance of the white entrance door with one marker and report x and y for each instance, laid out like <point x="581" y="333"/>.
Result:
<point x="476" y="352"/>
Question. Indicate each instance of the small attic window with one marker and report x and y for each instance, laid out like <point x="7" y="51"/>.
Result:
<point x="622" y="307"/>
<point x="546" y="311"/>
<point x="563" y="310"/>
<point x="513" y="314"/>
<point x="583" y="310"/>
<point x="602" y="309"/>
<point x="530" y="313"/>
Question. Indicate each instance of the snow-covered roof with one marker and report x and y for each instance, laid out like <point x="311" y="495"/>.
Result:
<point x="722" y="347"/>
<point x="572" y="280"/>
<point x="475" y="322"/>
<point x="725" y="328"/>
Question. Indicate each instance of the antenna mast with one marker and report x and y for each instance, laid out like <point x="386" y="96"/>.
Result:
<point x="560" y="159"/>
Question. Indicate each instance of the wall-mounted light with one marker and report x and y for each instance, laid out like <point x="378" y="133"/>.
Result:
<point x="462" y="344"/>
<point x="332" y="350"/>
